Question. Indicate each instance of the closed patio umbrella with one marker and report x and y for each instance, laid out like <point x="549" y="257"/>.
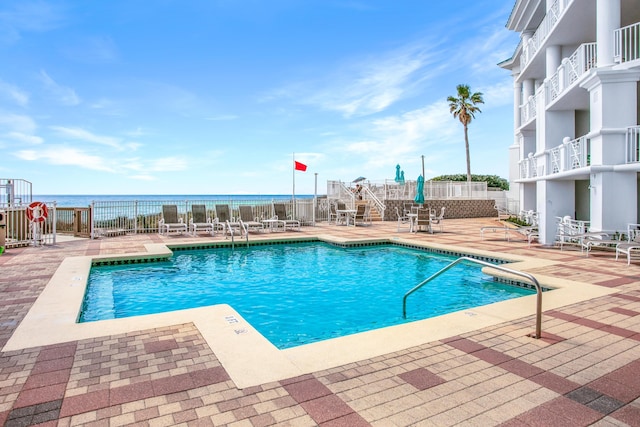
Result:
<point x="420" y="191"/>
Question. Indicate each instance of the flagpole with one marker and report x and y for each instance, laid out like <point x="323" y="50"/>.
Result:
<point x="293" y="193"/>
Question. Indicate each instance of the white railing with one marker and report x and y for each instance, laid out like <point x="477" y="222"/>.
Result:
<point x="552" y="87"/>
<point x="371" y="197"/>
<point x="556" y="160"/>
<point x="14" y="192"/>
<point x="580" y="61"/>
<point x="440" y="190"/>
<point x="528" y="110"/>
<point x="632" y="143"/>
<point x="20" y="231"/>
<point x="524" y="168"/>
<point x="112" y="218"/>
<point x="576" y="153"/>
<point x="571" y="154"/>
<point x="455" y="190"/>
<point x="546" y="26"/>
<point x="626" y="43"/>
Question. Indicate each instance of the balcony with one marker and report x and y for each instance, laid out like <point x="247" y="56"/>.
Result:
<point x="571" y="69"/>
<point x="570" y="155"/>
<point x="548" y="22"/>
<point x="632" y="144"/>
<point x="627" y="43"/>
<point x="528" y="110"/>
<point x="529" y="168"/>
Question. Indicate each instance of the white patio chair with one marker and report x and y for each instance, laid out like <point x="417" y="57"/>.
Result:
<point x="632" y="245"/>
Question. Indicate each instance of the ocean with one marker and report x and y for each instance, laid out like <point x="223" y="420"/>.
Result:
<point x="63" y="200"/>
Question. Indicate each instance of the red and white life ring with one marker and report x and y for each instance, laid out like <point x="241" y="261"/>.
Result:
<point x="37" y="212"/>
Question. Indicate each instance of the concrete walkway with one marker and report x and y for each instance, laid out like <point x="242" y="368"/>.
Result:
<point x="584" y="371"/>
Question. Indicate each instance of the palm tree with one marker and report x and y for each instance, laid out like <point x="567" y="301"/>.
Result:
<point x="464" y="108"/>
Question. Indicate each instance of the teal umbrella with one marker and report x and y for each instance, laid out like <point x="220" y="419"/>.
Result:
<point x="420" y="191"/>
<point x="397" y="179"/>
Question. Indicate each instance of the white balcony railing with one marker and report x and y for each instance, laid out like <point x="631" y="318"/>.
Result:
<point x="627" y="43"/>
<point x="528" y="110"/>
<point x="548" y="22"/>
<point x="633" y="144"/>
<point x="529" y="167"/>
<point x="571" y="69"/>
<point x="576" y="153"/>
<point x="555" y="157"/>
<point x="570" y="155"/>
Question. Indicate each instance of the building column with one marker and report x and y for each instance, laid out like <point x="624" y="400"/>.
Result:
<point x="613" y="107"/>
<point x="517" y="101"/>
<point x="553" y="59"/>
<point x="607" y="20"/>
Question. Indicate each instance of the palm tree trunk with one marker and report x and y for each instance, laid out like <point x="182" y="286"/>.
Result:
<point x="466" y="146"/>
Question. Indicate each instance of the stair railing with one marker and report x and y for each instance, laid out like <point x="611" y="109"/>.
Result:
<point x="528" y="276"/>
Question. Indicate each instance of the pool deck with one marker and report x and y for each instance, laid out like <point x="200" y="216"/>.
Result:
<point x="182" y="370"/>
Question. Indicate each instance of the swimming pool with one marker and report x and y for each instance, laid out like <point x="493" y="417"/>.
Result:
<point x="296" y="293"/>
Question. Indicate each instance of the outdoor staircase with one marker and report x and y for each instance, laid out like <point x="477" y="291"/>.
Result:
<point x="375" y="214"/>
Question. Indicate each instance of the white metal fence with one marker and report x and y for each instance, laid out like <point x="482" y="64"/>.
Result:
<point x="19" y="230"/>
<point x="111" y="218"/>
<point x="392" y="190"/>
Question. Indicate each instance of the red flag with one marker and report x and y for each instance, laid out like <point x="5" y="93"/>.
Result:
<point x="300" y="166"/>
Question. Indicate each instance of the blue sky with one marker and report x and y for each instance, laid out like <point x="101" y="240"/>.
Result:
<point x="215" y="96"/>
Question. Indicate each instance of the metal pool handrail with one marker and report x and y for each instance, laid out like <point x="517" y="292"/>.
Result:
<point x="533" y="280"/>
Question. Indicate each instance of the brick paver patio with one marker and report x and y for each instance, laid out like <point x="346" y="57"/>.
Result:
<point x="584" y="371"/>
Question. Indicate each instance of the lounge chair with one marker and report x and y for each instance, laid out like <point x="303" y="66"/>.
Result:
<point x="280" y="211"/>
<point x="228" y="223"/>
<point x="248" y="220"/>
<point x="200" y="222"/>
<point x="633" y="244"/>
<point x="170" y="222"/>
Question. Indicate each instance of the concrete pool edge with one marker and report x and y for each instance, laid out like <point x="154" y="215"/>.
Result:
<point x="247" y="356"/>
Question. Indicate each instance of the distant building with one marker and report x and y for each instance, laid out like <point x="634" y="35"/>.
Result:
<point x="575" y="76"/>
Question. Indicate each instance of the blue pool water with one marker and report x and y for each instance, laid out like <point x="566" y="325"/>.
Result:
<point x="296" y="293"/>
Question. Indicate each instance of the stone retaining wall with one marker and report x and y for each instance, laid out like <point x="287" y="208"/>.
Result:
<point x="463" y="208"/>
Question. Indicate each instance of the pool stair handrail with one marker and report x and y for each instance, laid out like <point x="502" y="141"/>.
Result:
<point x="231" y="231"/>
<point x="528" y="276"/>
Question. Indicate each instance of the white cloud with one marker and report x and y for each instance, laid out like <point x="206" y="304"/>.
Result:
<point x="498" y="95"/>
<point x="65" y="156"/>
<point x="17" y="123"/>
<point x="367" y="86"/>
<point x="83" y="135"/>
<point x="14" y="93"/>
<point x="64" y="95"/>
<point x="24" y="138"/>
<point x="401" y="138"/>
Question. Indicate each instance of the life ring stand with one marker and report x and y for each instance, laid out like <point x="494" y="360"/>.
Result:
<point x="37" y="212"/>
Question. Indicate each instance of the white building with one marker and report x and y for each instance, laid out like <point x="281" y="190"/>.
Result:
<point x="575" y="76"/>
